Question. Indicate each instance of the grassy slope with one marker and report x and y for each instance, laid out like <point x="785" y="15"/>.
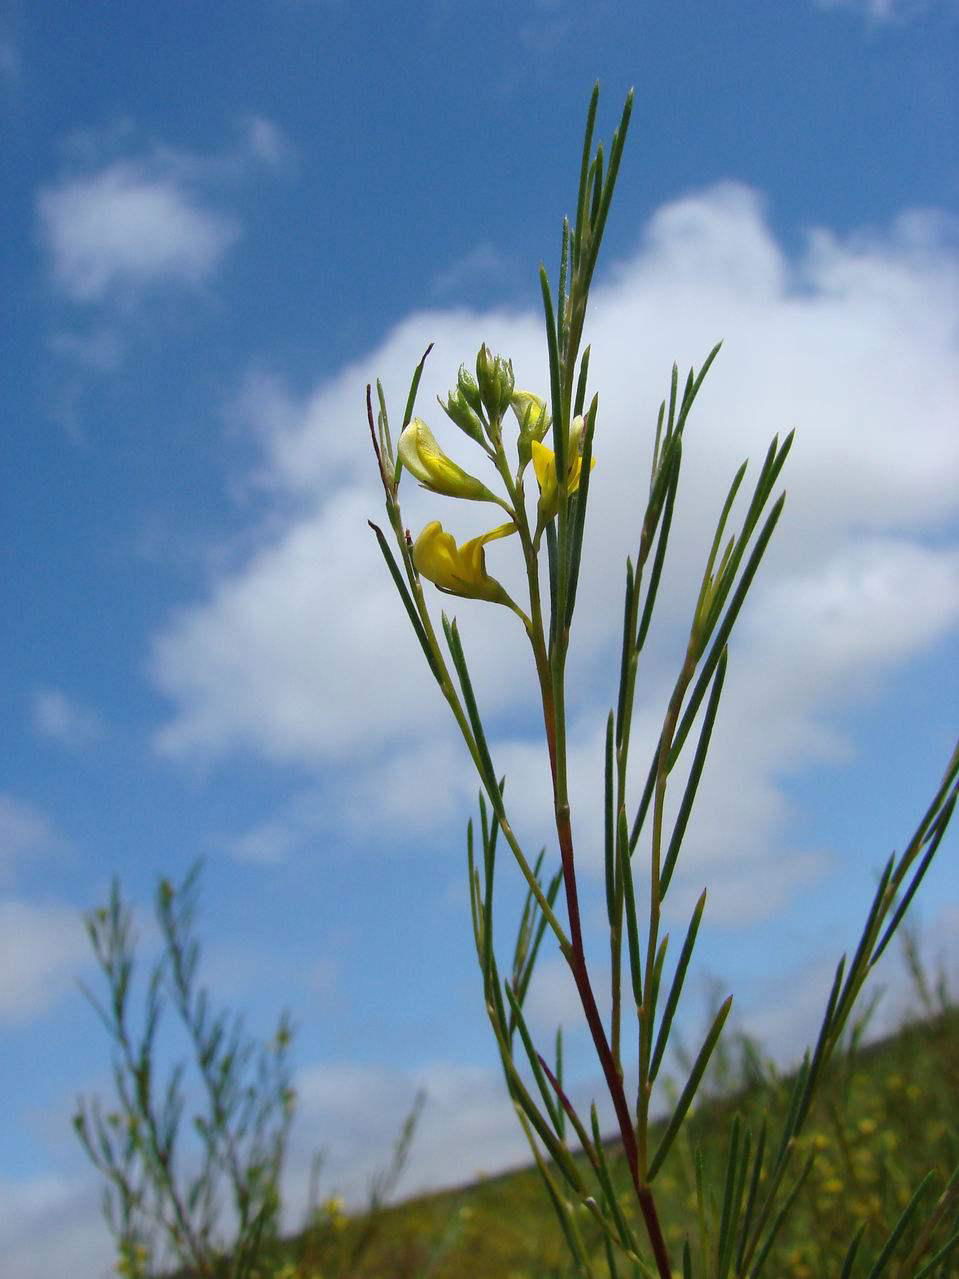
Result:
<point x="884" y="1118"/>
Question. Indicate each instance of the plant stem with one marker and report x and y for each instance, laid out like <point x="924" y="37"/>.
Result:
<point x="552" y="683"/>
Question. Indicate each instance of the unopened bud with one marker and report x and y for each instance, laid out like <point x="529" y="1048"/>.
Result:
<point x="533" y="421"/>
<point x="470" y="391"/>
<point x="495" y="378"/>
<point x="457" y="407"/>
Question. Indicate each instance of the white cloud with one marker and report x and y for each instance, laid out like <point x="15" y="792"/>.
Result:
<point x="41" y="945"/>
<point x="41" y="949"/>
<point x="125" y="228"/>
<point x="266" y="844"/>
<point x="303" y="653"/>
<point x="58" y="717"/>
<point x="125" y="218"/>
<point x="24" y="832"/>
<point x="354" y="1112"/>
<point x="267" y="142"/>
<point x="51" y="1226"/>
<point x="482" y="265"/>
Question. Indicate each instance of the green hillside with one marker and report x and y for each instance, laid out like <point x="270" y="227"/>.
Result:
<point x="886" y="1115"/>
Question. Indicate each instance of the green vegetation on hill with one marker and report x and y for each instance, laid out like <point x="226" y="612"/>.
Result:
<point x="885" y="1115"/>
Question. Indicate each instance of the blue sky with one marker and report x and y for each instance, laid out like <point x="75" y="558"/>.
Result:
<point x="220" y="222"/>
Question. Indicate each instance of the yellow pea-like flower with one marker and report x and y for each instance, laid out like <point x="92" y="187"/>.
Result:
<point x="459" y="570"/>
<point x="424" y="459"/>
<point x="544" y="464"/>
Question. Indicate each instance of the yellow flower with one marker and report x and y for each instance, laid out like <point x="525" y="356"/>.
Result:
<point x="459" y="570"/>
<point x="423" y="458"/>
<point x="544" y="464"/>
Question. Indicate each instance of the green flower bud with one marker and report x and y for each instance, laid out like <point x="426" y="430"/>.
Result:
<point x="533" y="421"/>
<point x="469" y="390"/>
<point x="495" y="378"/>
<point x="458" y="409"/>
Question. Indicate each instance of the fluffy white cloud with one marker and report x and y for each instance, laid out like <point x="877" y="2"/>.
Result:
<point x="124" y="219"/>
<point x="267" y="142"/>
<point x="41" y="949"/>
<point x="125" y="228"/>
<point x="24" y="832"/>
<point x="50" y="1226"/>
<point x="57" y="716"/>
<point x="303" y="654"/>
<point x="42" y="945"/>
<point x="353" y="1114"/>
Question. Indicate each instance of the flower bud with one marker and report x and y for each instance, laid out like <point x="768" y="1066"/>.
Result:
<point x="533" y="421"/>
<point x="457" y="407"/>
<point x="469" y="390"/>
<point x="495" y="378"/>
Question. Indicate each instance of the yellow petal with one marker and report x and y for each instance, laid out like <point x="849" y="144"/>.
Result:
<point x="459" y="570"/>
<point x="544" y="464"/>
<point x="424" y="459"/>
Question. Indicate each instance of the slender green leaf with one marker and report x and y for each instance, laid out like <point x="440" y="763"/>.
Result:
<point x="671" y="480"/>
<point x="695" y="773"/>
<point x="722" y="633"/>
<point x="694" y="385"/>
<point x="675" y="989"/>
<point x="584" y="174"/>
<point x="534" y="1060"/>
<point x="851" y="1252"/>
<point x="913" y="884"/>
<point x="689" y="1091"/>
<point x="626" y="651"/>
<point x="610" y="827"/>
<point x="747" y="1216"/>
<point x="889" y="1247"/>
<point x="935" y="1262"/>
<point x="582" y="494"/>
<point x="632" y="923"/>
<point x="414" y="387"/>
<point x="560" y="426"/>
<point x="732" y="1181"/>
<point x="780" y="1218"/>
<point x="469" y="699"/>
<point x="407" y="602"/>
<point x="580" y="399"/>
<point x="561" y="292"/>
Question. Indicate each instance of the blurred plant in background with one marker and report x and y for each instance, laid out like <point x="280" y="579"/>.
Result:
<point x="740" y="1208"/>
<point x="202" y="1197"/>
<point x="165" y="1190"/>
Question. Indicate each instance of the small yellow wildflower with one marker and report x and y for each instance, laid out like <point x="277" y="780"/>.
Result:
<point x="424" y="459"/>
<point x="544" y="464"/>
<point x="459" y="570"/>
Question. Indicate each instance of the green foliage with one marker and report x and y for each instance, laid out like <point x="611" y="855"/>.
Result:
<point x="743" y="1204"/>
<point x="880" y="1120"/>
<point x="166" y="1181"/>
